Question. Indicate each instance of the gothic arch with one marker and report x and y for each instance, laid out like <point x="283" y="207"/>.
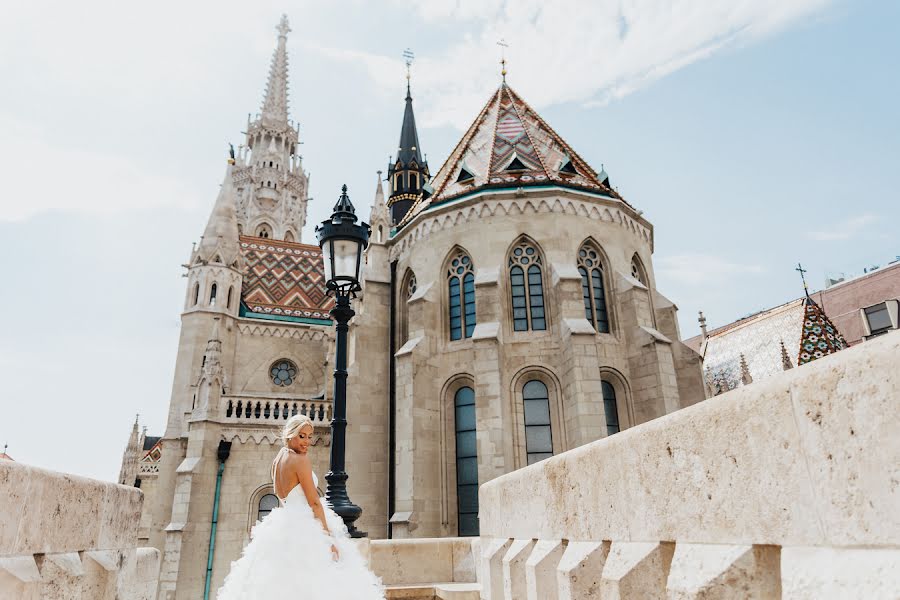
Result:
<point x="624" y="402"/>
<point x="408" y="286"/>
<point x="449" y="503"/>
<point x="526" y="275"/>
<point x="638" y="271"/>
<point x="517" y="410"/>
<point x="606" y="287"/>
<point x="458" y="293"/>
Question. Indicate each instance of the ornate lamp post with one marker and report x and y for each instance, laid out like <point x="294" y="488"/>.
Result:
<point x="342" y="241"/>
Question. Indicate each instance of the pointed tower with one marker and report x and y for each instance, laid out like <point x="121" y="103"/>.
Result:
<point x="129" y="471"/>
<point x="211" y="383"/>
<point x="409" y="173"/>
<point x="380" y="216"/>
<point x="270" y="184"/>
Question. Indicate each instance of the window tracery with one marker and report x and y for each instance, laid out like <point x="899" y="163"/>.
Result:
<point x="283" y="372"/>
<point x="590" y="266"/>
<point x="527" y="288"/>
<point x="461" y="287"/>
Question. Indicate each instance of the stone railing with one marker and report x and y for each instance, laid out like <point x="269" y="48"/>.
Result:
<point x="268" y="411"/>
<point x="63" y="536"/>
<point x="786" y="488"/>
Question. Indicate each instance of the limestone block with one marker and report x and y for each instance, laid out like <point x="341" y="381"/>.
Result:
<point x="23" y="568"/>
<point x="636" y="570"/>
<point x="138" y="580"/>
<point x="724" y="572"/>
<point x="466" y="559"/>
<point x="840" y="573"/>
<point x="579" y="570"/>
<point x="514" y="569"/>
<point x="412" y="561"/>
<point x="540" y="570"/>
<point x="492" y="553"/>
<point x="849" y="423"/>
<point x="70" y="562"/>
<point x="108" y="559"/>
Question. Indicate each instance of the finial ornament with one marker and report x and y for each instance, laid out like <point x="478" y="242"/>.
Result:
<point x="408" y="57"/>
<point x="283" y="27"/>
<point x="802" y="272"/>
<point x="230" y="154"/>
<point x="503" y="46"/>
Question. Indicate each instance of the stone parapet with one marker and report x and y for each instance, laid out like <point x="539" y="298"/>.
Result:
<point x="63" y="536"/>
<point x="758" y="493"/>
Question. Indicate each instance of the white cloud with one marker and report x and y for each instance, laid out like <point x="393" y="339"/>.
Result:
<point x="41" y="176"/>
<point x="843" y="231"/>
<point x="572" y="50"/>
<point x="697" y="268"/>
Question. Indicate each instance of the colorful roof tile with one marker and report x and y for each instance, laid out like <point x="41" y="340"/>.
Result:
<point x="820" y="337"/>
<point x="283" y="279"/>
<point x="510" y="145"/>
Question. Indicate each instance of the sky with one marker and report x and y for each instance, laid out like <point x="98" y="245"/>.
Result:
<point x="754" y="134"/>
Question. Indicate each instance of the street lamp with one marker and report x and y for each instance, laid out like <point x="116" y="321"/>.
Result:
<point x="342" y="241"/>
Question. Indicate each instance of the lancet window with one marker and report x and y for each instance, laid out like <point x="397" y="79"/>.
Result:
<point x="592" y="288"/>
<point x="538" y="437"/>
<point x="610" y="408"/>
<point x="196" y="294"/>
<point x="213" y="292"/>
<point x="527" y="288"/>
<point x="466" y="462"/>
<point x="637" y="270"/>
<point x="461" y="287"/>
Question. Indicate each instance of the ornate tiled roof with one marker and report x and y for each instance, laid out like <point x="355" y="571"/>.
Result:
<point x="768" y="343"/>
<point x="510" y="145"/>
<point x="284" y="279"/>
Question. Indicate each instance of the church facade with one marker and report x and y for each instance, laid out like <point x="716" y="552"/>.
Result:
<point x="509" y="312"/>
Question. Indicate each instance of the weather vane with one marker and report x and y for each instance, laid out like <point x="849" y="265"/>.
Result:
<point x="802" y="272"/>
<point x="408" y="57"/>
<point x="503" y="46"/>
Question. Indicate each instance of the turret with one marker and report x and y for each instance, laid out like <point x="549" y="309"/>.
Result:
<point x="380" y="216"/>
<point x="409" y="173"/>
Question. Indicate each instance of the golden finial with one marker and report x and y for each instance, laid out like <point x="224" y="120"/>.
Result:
<point x="503" y="46"/>
<point x="408" y="57"/>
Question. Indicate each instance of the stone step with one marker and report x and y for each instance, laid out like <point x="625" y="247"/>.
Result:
<point x="434" y="591"/>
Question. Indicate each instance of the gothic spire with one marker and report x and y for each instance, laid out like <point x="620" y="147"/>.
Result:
<point x="275" y="104"/>
<point x="220" y="238"/>
<point x="409" y="173"/>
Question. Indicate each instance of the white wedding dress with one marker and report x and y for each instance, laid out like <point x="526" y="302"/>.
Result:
<point x="289" y="556"/>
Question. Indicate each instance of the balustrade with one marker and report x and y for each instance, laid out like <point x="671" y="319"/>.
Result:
<point x="268" y="411"/>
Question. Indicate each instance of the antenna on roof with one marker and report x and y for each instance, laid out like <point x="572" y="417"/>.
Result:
<point x="503" y="46"/>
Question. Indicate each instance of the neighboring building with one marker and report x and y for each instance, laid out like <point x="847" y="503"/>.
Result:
<point x="509" y="312"/>
<point x="771" y="341"/>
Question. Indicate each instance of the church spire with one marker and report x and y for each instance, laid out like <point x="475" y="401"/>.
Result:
<point x="409" y="173"/>
<point x="219" y="243"/>
<point x="275" y="104"/>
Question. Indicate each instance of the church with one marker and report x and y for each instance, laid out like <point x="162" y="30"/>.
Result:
<point x="509" y="312"/>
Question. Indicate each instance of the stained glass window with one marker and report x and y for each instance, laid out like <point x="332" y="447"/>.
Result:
<point x="461" y="287"/>
<point x="528" y="309"/>
<point x="283" y="372"/>
<point x="466" y="461"/>
<point x="591" y="269"/>
<point x="538" y="437"/>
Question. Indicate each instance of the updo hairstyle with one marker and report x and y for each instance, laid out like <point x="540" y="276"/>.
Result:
<point x="293" y="426"/>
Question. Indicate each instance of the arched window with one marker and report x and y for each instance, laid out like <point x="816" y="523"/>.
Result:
<point x="264" y="231"/>
<point x="461" y="285"/>
<point x="637" y="270"/>
<point x="380" y="233"/>
<point x="538" y="438"/>
<point x="230" y="294"/>
<point x="196" y="294"/>
<point x="266" y="504"/>
<point x="407" y="289"/>
<point x="592" y="288"/>
<point x="212" y="294"/>
<point x="466" y="461"/>
<point x="610" y="408"/>
<point x="289" y="236"/>
<point x="527" y="300"/>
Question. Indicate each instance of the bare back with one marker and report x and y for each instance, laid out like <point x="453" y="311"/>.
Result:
<point x="289" y="470"/>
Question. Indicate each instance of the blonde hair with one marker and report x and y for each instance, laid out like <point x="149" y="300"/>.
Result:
<point x="293" y="426"/>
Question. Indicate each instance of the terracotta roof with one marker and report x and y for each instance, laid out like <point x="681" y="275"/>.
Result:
<point x="283" y="279"/>
<point x="510" y="145"/>
<point x="5" y="456"/>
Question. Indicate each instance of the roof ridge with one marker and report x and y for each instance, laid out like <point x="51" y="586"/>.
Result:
<point x="512" y="101"/>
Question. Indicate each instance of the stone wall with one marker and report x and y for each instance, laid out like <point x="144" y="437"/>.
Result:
<point x="67" y="537"/>
<point x="787" y="488"/>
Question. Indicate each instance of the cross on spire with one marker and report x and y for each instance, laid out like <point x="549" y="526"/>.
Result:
<point x="503" y="46"/>
<point x="802" y="272"/>
<point x="408" y="57"/>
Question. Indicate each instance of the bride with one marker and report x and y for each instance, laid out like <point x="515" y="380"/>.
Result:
<point x="302" y="547"/>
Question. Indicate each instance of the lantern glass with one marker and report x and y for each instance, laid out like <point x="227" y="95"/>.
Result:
<point x="345" y="259"/>
<point x="326" y="259"/>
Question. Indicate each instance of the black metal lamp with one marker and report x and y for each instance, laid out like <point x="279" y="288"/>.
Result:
<point x="342" y="242"/>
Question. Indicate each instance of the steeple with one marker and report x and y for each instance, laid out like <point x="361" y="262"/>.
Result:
<point x="379" y="217"/>
<point x="275" y="104"/>
<point x="219" y="243"/>
<point x="409" y="173"/>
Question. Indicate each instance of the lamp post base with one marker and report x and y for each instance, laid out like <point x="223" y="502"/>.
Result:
<point x="340" y="503"/>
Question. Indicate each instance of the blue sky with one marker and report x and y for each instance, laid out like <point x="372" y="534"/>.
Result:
<point x="752" y="138"/>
